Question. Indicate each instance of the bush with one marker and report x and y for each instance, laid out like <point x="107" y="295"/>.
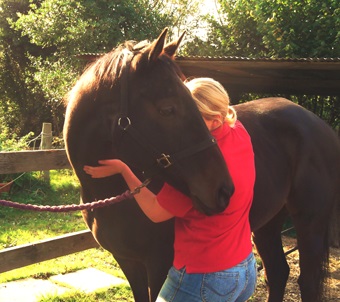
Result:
<point x="11" y="142"/>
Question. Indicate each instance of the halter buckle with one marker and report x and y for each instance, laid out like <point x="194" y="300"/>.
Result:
<point x="164" y="161"/>
<point x="124" y="122"/>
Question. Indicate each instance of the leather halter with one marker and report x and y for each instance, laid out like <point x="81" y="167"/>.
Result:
<point x="161" y="159"/>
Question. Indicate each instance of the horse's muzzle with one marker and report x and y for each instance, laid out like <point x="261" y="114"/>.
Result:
<point x="223" y="197"/>
<point x="219" y="203"/>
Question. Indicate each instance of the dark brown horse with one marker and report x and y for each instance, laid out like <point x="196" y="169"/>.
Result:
<point x="131" y="104"/>
<point x="297" y="158"/>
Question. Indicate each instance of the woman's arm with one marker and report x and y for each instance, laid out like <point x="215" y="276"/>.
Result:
<point x="145" y="199"/>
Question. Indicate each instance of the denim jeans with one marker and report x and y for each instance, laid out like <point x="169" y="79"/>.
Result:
<point x="235" y="284"/>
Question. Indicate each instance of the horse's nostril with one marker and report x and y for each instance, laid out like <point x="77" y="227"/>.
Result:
<point x="224" y="196"/>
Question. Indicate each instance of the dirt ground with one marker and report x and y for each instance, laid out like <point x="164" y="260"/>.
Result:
<point x="292" y="293"/>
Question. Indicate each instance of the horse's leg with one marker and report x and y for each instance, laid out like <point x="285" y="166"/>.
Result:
<point x="313" y="255"/>
<point x="158" y="266"/>
<point x="312" y="236"/>
<point x="310" y="205"/>
<point x="156" y="275"/>
<point x="135" y="272"/>
<point x="269" y="246"/>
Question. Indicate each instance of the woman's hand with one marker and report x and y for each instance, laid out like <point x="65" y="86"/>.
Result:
<point x="145" y="198"/>
<point x="108" y="167"/>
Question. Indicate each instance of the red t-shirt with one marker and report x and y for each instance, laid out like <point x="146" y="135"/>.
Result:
<point x="206" y="244"/>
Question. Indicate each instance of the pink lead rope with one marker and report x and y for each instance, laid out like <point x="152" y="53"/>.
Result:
<point x="76" y="207"/>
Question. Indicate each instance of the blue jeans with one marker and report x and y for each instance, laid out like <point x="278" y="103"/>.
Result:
<point x="235" y="284"/>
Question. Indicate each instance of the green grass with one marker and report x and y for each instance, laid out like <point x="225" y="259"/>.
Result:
<point x="96" y="258"/>
<point x="117" y="294"/>
<point x="21" y="227"/>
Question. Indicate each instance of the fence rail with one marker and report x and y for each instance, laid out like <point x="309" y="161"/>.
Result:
<point x="23" y="255"/>
<point x="39" y="160"/>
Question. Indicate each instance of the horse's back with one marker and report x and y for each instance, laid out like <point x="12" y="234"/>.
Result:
<point x="296" y="153"/>
<point x="279" y="116"/>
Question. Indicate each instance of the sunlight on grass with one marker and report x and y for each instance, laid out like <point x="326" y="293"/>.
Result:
<point x="117" y="294"/>
<point x="95" y="258"/>
<point x="22" y="227"/>
<point x="63" y="180"/>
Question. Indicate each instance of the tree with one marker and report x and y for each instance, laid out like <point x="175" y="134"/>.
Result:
<point x="41" y="39"/>
<point x="276" y="28"/>
<point x="294" y="28"/>
<point x="15" y="74"/>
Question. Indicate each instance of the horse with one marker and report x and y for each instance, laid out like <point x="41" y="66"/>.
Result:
<point x="133" y="101"/>
<point x="297" y="160"/>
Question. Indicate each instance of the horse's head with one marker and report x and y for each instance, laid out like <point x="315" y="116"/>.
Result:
<point x="162" y="131"/>
<point x="156" y="126"/>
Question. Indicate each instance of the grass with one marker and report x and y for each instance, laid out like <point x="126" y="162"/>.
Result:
<point x="21" y="227"/>
<point x="117" y="294"/>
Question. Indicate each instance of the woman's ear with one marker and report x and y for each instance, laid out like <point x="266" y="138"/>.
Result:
<point x="216" y="122"/>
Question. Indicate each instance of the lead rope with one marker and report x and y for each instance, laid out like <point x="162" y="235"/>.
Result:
<point x="76" y="207"/>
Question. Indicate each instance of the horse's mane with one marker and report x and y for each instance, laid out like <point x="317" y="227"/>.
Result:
<point x="105" y="71"/>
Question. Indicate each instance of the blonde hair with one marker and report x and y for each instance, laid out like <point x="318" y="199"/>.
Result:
<point x="212" y="99"/>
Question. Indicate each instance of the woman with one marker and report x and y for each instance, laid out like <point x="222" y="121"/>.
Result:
<point x="213" y="254"/>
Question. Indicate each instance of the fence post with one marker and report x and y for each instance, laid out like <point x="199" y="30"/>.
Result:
<point x="46" y="143"/>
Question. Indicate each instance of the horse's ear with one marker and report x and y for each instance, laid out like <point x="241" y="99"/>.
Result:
<point x="171" y="48"/>
<point x="157" y="46"/>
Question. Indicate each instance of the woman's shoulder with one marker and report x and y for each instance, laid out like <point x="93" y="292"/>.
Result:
<point x="239" y="128"/>
<point x="238" y="125"/>
<point x="227" y="132"/>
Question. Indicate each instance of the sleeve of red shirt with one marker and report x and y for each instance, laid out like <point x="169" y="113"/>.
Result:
<point x="174" y="201"/>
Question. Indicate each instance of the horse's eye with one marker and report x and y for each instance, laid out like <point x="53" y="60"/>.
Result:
<point x="167" y="111"/>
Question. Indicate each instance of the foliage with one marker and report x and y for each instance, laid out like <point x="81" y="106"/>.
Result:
<point x="11" y="142"/>
<point x="70" y="28"/>
<point x="19" y="105"/>
<point x="279" y="28"/>
<point x="299" y="28"/>
<point x="40" y="40"/>
<point x="184" y="15"/>
<point x="87" y="26"/>
<point x="275" y="28"/>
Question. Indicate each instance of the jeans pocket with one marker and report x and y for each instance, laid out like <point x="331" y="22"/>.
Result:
<point x="220" y="286"/>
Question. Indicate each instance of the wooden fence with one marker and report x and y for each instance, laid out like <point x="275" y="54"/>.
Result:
<point x="20" y="256"/>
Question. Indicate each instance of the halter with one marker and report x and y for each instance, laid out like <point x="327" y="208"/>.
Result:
<point x="161" y="159"/>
